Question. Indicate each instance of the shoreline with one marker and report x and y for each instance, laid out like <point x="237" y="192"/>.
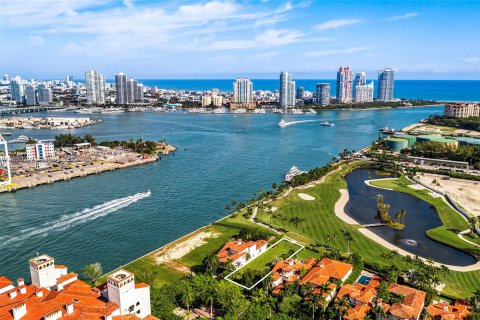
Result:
<point x="42" y="179"/>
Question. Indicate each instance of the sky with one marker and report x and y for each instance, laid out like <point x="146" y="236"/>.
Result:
<point x="48" y="39"/>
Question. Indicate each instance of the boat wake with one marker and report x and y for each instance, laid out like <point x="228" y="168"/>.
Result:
<point x="77" y="218"/>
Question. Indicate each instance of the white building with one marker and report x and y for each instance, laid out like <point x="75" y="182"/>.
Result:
<point x="386" y="79"/>
<point x="30" y="95"/>
<point x="56" y="293"/>
<point x="44" y="94"/>
<point x="121" y="88"/>
<point x="5" y="162"/>
<point x="132" y="87"/>
<point x="67" y="121"/>
<point x="40" y="151"/>
<point x="95" y="87"/>
<point x="462" y="110"/>
<point x="17" y="89"/>
<point x="243" y="93"/>
<point x="287" y="90"/>
<point x="364" y="93"/>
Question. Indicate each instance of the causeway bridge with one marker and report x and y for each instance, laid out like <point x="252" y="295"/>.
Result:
<point x="8" y="111"/>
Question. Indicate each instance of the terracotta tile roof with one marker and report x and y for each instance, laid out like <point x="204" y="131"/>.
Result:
<point x="326" y="269"/>
<point x="358" y="312"/>
<point x="5" y="282"/>
<point x="412" y="304"/>
<point x="445" y="311"/>
<point x="59" y="266"/>
<point x="68" y="276"/>
<point x="141" y="285"/>
<point x="234" y="250"/>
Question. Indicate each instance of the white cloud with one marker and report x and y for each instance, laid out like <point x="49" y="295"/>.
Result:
<point x="474" y="60"/>
<point x="402" y="17"/>
<point x="128" y="3"/>
<point x="36" y="40"/>
<point x="333" y="24"/>
<point x="323" y="53"/>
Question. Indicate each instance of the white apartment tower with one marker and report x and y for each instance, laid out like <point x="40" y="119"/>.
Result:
<point x="323" y="94"/>
<point x="95" y="85"/>
<point x="45" y="95"/>
<point x="132" y="87"/>
<point x="132" y="299"/>
<point x="364" y="93"/>
<point x="121" y="88"/>
<point x="344" y="85"/>
<point x="17" y="89"/>
<point x="30" y="95"/>
<point x="287" y="90"/>
<point x="243" y="92"/>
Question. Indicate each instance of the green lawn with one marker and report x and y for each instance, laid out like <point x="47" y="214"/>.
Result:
<point x="282" y="248"/>
<point x="320" y="221"/>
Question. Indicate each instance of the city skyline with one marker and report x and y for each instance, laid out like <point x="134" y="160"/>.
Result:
<point x="228" y="39"/>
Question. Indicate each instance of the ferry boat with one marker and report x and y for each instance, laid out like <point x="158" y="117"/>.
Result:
<point x="326" y="124"/>
<point x="387" y="130"/>
<point x="282" y="124"/>
<point x="20" y="139"/>
<point x="294" y="171"/>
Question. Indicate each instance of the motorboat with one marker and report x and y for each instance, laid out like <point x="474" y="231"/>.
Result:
<point x="282" y="123"/>
<point x="219" y="110"/>
<point x="387" y="130"/>
<point x="294" y="171"/>
<point x="326" y="124"/>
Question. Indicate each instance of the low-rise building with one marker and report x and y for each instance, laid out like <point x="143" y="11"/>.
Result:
<point x="360" y="297"/>
<point x="40" y="151"/>
<point x="462" y="110"/>
<point x="239" y="252"/>
<point x="409" y="308"/>
<point x="443" y="310"/>
<point x="287" y="271"/>
<point x="57" y="294"/>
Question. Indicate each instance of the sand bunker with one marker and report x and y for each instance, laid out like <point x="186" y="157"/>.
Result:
<point x="305" y="196"/>
<point x="179" y="249"/>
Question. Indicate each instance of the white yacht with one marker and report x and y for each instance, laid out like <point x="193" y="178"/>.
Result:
<point x="311" y="111"/>
<point x="282" y="123"/>
<point x="113" y="110"/>
<point x="259" y="110"/>
<point x="219" y="110"/>
<point x="240" y="110"/>
<point x="326" y="124"/>
<point x="294" y="171"/>
<point x="296" y="111"/>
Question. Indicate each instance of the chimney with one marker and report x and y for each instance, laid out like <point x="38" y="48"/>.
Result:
<point x="19" y="311"/>
<point x="39" y="293"/>
<point x="23" y="290"/>
<point x="69" y="308"/>
<point x="12" y="294"/>
<point x="20" y="282"/>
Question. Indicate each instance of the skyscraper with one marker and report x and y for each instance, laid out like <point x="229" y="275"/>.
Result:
<point x="364" y="93"/>
<point x="30" y="95"/>
<point x="344" y="85"/>
<point x="131" y="90"/>
<point x="45" y="95"/>
<point x="95" y="85"/>
<point x="121" y="88"/>
<point x="243" y="93"/>
<point x="323" y="94"/>
<point x="300" y="92"/>
<point x="287" y="90"/>
<point x="139" y="93"/>
<point x="385" y="84"/>
<point x="17" y="89"/>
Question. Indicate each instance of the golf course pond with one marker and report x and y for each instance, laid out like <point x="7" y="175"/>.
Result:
<point x="420" y="217"/>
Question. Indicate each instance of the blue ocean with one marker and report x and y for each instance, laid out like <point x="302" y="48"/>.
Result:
<point x="440" y="90"/>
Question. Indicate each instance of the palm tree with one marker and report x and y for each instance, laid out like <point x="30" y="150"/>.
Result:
<point x="394" y="254"/>
<point x="211" y="263"/>
<point x="342" y="306"/>
<point x="378" y="311"/>
<point x="444" y="269"/>
<point x="349" y="239"/>
<point x="408" y="259"/>
<point x="472" y="223"/>
<point x="313" y="301"/>
<point x="267" y="284"/>
<point x="188" y="294"/>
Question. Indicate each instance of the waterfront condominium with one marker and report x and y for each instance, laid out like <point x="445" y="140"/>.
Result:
<point x="17" y="90"/>
<point x="95" y="87"/>
<point x="385" y="84"/>
<point x="287" y="90"/>
<point x="44" y="94"/>
<point x="344" y="85"/>
<point x="121" y="88"/>
<point x="462" y="110"/>
<point x="30" y="95"/>
<point x="132" y="90"/>
<point x="243" y="93"/>
<point x="364" y="93"/>
<point x="323" y="94"/>
<point x="360" y="80"/>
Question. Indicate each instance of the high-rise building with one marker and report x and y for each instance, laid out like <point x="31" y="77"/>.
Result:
<point x="131" y="90"/>
<point x="17" y="90"/>
<point x="364" y="93"/>
<point x="323" y="94"/>
<point x="385" y="84"/>
<point x="44" y="94"/>
<point x="139" y="93"/>
<point x="95" y="85"/>
<point x="287" y="90"/>
<point x="30" y="95"/>
<point x="121" y="88"/>
<point x="243" y="93"/>
<point x="6" y="77"/>
<point x="344" y="85"/>
<point x="360" y="80"/>
<point x="300" y="92"/>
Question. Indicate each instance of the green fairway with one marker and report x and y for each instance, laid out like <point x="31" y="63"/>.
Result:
<point x="321" y="225"/>
<point x="283" y="248"/>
